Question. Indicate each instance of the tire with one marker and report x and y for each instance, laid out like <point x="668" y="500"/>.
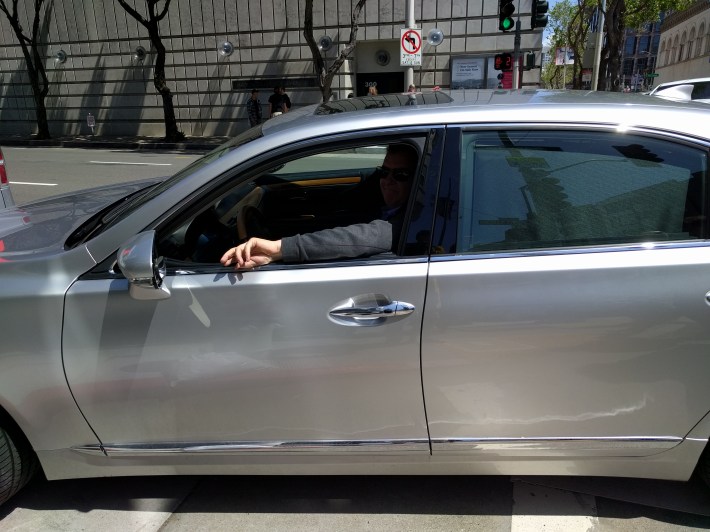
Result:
<point x="703" y="469"/>
<point x="18" y="464"/>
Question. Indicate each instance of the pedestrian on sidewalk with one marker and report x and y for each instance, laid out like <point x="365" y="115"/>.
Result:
<point x="254" y="108"/>
<point x="277" y="103"/>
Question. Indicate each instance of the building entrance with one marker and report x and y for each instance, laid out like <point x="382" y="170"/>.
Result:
<point x="385" y="82"/>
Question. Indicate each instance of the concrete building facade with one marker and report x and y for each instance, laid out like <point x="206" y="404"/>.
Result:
<point x="685" y="44"/>
<point x="94" y="64"/>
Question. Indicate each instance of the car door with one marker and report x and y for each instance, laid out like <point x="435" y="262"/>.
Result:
<point x="567" y="312"/>
<point x="255" y="360"/>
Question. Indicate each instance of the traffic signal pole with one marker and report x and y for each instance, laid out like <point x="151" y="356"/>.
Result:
<point x="516" y="56"/>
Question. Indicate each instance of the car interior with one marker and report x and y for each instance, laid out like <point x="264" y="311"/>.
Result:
<point x="295" y="196"/>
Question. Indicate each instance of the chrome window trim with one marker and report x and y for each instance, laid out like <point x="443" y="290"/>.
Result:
<point x="697" y="142"/>
<point x="642" y="246"/>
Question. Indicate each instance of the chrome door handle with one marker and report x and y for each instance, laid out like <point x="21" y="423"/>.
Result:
<point x="395" y="308"/>
<point x="368" y="310"/>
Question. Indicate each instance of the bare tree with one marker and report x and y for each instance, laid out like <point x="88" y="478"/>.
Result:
<point x="151" y="22"/>
<point x="34" y="59"/>
<point x="326" y="74"/>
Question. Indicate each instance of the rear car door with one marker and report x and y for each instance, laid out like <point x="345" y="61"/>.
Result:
<point x="567" y="311"/>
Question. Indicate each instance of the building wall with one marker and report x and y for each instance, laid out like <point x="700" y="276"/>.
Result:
<point x="101" y="76"/>
<point x="685" y="45"/>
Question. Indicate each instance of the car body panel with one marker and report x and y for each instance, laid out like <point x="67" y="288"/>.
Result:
<point x="48" y="223"/>
<point x="6" y="199"/>
<point x="255" y="358"/>
<point x="34" y="390"/>
<point x="585" y="361"/>
<point x="599" y="346"/>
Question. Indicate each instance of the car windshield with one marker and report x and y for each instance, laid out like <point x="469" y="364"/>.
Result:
<point x="122" y="208"/>
<point x="221" y="151"/>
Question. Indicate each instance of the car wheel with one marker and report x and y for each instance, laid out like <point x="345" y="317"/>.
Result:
<point x="703" y="468"/>
<point x="17" y="464"/>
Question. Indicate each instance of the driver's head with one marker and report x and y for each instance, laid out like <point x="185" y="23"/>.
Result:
<point x="397" y="173"/>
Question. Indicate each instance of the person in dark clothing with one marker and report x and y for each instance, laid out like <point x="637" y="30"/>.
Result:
<point x="378" y="236"/>
<point x="277" y="103"/>
<point x="286" y="99"/>
<point x="254" y="108"/>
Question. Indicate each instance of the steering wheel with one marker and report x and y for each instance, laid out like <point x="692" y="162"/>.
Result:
<point x="251" y="222"/>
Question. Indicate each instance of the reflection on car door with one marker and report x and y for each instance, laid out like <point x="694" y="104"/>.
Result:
<point x="572" y="318"/>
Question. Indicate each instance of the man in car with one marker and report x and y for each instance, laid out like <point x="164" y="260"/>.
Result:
<point x="378" y="236"/>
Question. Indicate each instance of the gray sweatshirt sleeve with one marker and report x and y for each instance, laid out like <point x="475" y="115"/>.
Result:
<point x="340" y="242"/>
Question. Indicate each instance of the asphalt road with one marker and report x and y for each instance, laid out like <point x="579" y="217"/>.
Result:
<point x="550" y="504"/>
<point x="35" y="173"/>
<point x="316" y="503"/>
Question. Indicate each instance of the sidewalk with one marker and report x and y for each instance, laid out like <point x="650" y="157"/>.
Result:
<point x="113" y="143"/>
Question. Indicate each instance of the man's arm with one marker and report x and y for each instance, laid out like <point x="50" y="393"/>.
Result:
<point x="359" y="240"/>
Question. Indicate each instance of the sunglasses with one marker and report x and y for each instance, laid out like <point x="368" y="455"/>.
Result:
<point x="398" y="174"/>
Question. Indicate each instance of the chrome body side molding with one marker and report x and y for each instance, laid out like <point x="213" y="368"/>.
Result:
<point x="149" y="449"/>
<point x="543" y="447"/>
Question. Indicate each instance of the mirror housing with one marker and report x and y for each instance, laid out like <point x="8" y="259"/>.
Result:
<point x="145" y="271"/>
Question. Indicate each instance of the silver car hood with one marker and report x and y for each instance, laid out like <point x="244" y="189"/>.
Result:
<point x="45" y="225"/>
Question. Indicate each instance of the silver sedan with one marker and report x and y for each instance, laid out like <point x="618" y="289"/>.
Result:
<point x="541" y="306"/>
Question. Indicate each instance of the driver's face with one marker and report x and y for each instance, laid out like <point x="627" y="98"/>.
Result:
<point x="396" y="192"/>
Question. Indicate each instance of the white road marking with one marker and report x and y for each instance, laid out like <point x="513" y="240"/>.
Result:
<point x="34" y="184"/>
<point x="537" y="508"/>
<point x="137" y="164"/>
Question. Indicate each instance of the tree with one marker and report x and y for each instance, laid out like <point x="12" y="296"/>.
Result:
<point x="152" y="23"/>
<point x="324" y="73"/>
<point x="34" y="58"/>
<point x="622" y="14"/>
<point x="569" y="24"/>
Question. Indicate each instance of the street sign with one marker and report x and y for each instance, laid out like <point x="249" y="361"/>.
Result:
<point x="410" y="47"/>
<point x="652" y="75"/>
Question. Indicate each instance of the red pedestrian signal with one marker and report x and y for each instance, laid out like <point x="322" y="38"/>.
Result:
<point x="503" y="62"/>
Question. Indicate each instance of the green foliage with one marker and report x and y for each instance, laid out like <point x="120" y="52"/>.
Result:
<point x="569" y="27"/>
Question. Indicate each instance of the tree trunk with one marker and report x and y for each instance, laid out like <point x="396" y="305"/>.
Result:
<point x="171" y="130"/>
<point x="614" y="24"/>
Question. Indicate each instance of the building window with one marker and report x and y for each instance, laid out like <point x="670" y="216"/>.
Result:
<point x="630" y="45"/>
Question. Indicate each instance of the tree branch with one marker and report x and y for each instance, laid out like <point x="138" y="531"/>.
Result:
<point x="135" y="14"/>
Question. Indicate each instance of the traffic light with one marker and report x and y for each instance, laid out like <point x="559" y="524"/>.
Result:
<point x="505" y="15"/>
<point x="539" y="14"/>
<point x="503" y="62"/>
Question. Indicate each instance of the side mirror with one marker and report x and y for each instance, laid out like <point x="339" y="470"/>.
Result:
<point x="145" y="271"/>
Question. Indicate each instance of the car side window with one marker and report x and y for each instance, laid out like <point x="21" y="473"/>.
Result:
<point x="547" y="189"/>
<point x="297" y="193"/>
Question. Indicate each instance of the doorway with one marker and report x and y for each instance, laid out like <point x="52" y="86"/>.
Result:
<point x="385" y="82"/>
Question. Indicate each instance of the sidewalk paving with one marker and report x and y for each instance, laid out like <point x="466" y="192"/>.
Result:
<point x="113" y="143"/>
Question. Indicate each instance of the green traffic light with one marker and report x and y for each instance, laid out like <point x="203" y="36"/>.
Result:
<point x="507" y="24"/>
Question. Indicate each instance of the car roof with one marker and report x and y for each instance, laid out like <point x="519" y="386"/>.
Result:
<point x="491" y="106"/>
<point x="667" y="84"/>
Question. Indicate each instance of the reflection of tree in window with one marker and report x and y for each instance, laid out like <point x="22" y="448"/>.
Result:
<point x="638" y="154"/>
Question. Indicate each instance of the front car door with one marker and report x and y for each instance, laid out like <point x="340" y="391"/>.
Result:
<point x="567" y="315"/>
<point x="239" y="362"/>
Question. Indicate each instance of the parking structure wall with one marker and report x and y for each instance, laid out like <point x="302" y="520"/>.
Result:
<point x="102" y="76"/>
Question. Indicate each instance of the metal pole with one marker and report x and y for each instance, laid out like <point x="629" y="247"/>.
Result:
<point x="598" y="46"/>
<point x="516" y="54"/>
<point x="411" y="23"/>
